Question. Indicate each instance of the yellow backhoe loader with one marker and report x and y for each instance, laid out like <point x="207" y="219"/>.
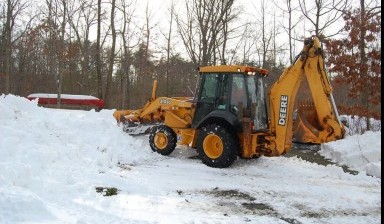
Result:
<point x="228" y="116"/>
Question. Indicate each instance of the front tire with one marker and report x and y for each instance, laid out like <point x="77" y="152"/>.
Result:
<point x="216" y="146"/>
<point x="162" y="140"/>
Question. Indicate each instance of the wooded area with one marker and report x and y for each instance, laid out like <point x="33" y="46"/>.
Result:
<point x="114" y="49"/>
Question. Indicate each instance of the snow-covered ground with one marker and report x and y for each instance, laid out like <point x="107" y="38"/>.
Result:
<point x="56" y="164"/>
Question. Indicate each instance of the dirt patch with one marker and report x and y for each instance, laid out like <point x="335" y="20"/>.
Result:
<point x="248" y="204"/>
<point x="231" y="194"/>
<point x="260" y="208"/>
<point x="327" y="213"/>
<point x="309" y="152"/>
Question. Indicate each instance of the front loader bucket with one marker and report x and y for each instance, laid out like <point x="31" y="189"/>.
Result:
<point x="120" y="115"/>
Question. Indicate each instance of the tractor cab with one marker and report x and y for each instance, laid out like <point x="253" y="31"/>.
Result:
<point x="228" y="93"/>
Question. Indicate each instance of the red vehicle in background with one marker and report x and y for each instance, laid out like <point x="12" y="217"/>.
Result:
<point x="68" y="101"/>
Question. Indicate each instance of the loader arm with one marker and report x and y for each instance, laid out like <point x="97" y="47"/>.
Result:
<point x="175" y="112"/>
<point x="309" y="64"/>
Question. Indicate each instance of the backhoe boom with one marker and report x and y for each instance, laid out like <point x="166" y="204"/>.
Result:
<point x="310" y="64"/>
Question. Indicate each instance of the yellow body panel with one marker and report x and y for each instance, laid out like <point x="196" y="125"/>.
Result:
<point x="187" y="136"/>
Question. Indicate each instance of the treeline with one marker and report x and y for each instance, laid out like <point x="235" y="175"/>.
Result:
<point x="114" y="51"/>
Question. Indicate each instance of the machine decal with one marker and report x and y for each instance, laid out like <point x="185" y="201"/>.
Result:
<point x="165" y="101"/>
<point x="283" y="109"/>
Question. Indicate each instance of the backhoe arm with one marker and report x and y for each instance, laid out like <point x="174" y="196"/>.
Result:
<point x="309" y="64"/>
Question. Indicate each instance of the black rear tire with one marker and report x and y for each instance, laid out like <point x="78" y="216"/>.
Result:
<point x="162" y="140"/>
<point x="216" y="146"/>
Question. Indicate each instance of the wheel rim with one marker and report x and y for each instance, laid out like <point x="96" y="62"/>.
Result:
<point x="161" y="141"/>
<point x="213" y="146"/>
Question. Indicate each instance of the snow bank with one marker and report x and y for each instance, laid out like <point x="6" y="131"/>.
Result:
<point x="359" y="152"/>
<point x="55" y="155"/>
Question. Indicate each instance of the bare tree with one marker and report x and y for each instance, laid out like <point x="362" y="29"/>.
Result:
<point x="323" y="14"/>
<point x="61" y="52"/>
<point x="266" y="31"/>
<point x="266" y="37"/>
<point x="245" y="45"/>
<point x="146" y="66"/>
<point x="112" y="55"/>
<point x="14" y="9"/>
<point x="148" y="29"/>
<point x="7" y="35"/>
<point x="188" y="32"/>
<point x="202" y="26"/>
<point x="168" y="38"/>
<point x="81" y="20"/>
<point x="127" y="35"/>
<point x="229" y="15"/>
<point x="289" y="9"/>
<point x="98" y="53"/>
<point x="56" y="22"/>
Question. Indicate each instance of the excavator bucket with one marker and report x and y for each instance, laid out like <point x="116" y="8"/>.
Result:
<point x="305" y="125"/>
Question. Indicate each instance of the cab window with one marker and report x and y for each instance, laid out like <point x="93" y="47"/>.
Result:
<point x="257" y="96"/>
<point x="208" y="92"/>
<point x="238" y="93"/>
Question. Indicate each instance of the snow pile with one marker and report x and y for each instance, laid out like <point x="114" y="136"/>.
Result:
<point x="55" y="154"/>
<point x="358" y="152"/>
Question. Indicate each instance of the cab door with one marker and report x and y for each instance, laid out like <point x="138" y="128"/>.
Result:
<point x="212" y="95"/>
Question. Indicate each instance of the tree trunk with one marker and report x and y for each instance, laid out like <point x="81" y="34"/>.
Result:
<point x="107" y="97"/>
<point x="61" y="55"/>
<point x="363" y="59"/>
<point x="7" y="46"/>
<point x="126" y="61"/>
<point x="169" y="51"/>
<point x="98" y="49"/>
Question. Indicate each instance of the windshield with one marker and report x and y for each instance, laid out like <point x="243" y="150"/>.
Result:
<point x="256" y="93"/>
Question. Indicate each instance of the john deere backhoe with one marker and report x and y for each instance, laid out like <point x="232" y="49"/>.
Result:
<point x="228" y="116"/>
